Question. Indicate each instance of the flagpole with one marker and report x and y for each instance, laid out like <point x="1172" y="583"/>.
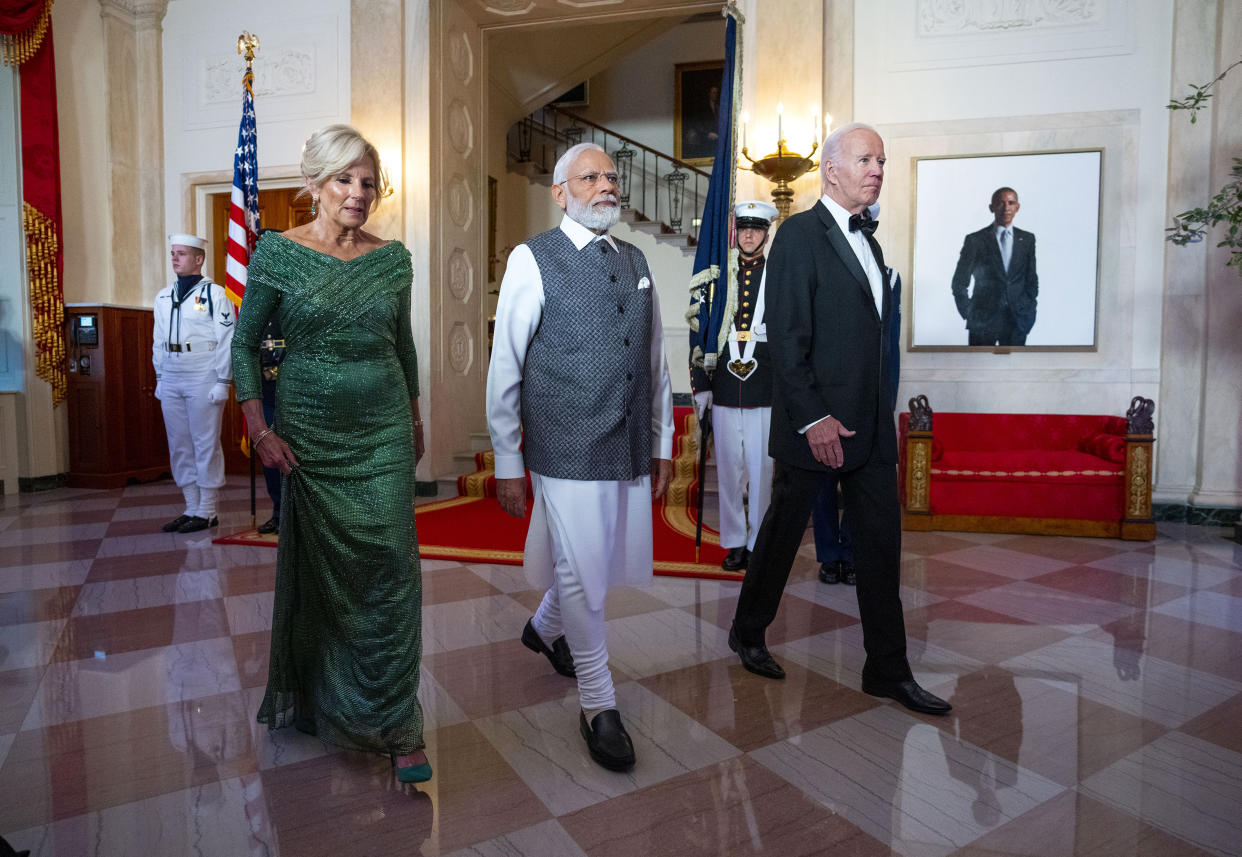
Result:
<point x="247" y="44"/>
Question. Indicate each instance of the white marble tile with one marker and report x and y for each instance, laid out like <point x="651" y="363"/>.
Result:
<point x="1008" y="563"/>
<point x="472" y="622"/>
<point x="249" y="613"/>
<point x="663" y="640"/>
<point x="1163" y="692"/>
<point x="29" y="645"/>
<point x="229" y="818"/>
<point x="506" y="578"/>
<point x="839" y="655"/>
<point x="439" y="709"/>
<point x="544" y="745"/>
<point x="158" y="513"/>
<point x="112" y="596"/>
<point x="1168" y="569"/>
<point x="438" y="564"/>
<point x="546" y="839"/>
<point x="46" y="575"/>
<point x="1209" y="608"/>
<point x="145" y="543"/>
<point x="75" y="690"/>
<point x="47" y="535"/>
<point x="906" y="783"/>
<point x="841" y="598"/>
<point x="1189" y="787"/>
<point x="1044" y="605"/>
<point x="682" y="592"/>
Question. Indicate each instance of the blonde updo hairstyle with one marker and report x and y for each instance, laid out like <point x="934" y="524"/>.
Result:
<point x="333" y="149"/>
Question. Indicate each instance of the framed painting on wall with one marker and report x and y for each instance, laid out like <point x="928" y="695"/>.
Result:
<point x="696" y="111"/>
<point x="1033" y="286"/>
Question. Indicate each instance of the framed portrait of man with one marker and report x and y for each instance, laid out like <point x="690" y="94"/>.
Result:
<point x="1006" y="251"/>
<point x="696" y="111"/>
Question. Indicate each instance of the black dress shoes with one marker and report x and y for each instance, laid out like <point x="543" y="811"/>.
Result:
<point x="607" y="740"/>
<point x="756" y="659"/>
<point x="176" y="523"/>
<point x="736" y="559"/>
<point x="828" y="573"/>
<point x="195" y="523"/>
<point x="846" y="570"/>
<point x="559" y="655"/>
<point x="272" y="526"/>
<point x="909" y="694"/>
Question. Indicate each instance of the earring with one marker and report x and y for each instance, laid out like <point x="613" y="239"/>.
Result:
<point x="314" y="205"/>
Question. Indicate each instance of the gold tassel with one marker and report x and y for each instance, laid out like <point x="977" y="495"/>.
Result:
<point x="47" y="301"/>
<point x="19" y="47"/>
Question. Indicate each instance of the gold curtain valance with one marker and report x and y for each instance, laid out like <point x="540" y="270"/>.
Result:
<point x="19" y="47"/>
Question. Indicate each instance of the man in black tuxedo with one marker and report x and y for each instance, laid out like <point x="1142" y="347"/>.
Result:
<point x="829" y="303"/>
<point x="1000" y="310"/>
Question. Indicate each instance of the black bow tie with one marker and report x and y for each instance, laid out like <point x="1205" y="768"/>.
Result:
<point x="863" y="221"/>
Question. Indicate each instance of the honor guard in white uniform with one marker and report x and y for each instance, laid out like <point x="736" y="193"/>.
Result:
<point x="739" y="392"/>
<point x="193" y="370"/>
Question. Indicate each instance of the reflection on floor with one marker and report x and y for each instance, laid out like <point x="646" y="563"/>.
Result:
<point x="1097" y="692"/>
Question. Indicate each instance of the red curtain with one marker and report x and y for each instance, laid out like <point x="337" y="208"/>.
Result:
<point x="26" y="33"/>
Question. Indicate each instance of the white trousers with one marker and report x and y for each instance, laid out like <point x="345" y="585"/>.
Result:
<point x="741" y="447"/>
<point x="193" y="426"/>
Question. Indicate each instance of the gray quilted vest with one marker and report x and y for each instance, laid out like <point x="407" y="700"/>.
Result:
<point x="586" y="387"/>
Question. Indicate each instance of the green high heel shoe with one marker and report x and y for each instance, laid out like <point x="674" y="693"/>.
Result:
<point x="411" y="773"/>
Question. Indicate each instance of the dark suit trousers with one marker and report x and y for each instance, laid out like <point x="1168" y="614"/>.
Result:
<point x="870" y="493"/>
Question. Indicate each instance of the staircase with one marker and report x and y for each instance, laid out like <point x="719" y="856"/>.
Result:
<point x="660" y="195"/>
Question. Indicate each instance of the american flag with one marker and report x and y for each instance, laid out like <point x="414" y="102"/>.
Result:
<point x="244" y="202"/>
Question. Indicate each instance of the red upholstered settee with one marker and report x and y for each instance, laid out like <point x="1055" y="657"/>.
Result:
<point x="1064" y="474"/>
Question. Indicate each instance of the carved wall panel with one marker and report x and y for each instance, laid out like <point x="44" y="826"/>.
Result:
<point x="461" y="57"/>
<point x="955" y="17"/>
<point x="507" y="7"/>
<point x="461" y="348"/>
<point x="460" y="275"/>
<point x="460" y="201"/>
<point x="288" y="72"/>
<point x="460" y="128"/>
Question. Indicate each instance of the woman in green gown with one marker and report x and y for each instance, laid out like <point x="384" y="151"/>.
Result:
<point x="346" y="620"/>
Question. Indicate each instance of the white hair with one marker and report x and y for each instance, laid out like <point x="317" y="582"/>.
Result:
<point x="333" y="149"/>
<point x="831" y="150"/>
<point x="560" y="173"/>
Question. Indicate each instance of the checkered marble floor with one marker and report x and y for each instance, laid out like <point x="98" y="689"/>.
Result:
<point x="1097" y="692"/>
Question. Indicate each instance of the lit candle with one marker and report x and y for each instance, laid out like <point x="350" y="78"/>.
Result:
<point x="780" y="134"/>
<point x="745" y="119"/>
<point x="827" y="123"/>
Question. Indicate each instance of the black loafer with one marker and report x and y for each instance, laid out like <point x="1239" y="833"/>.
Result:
<point x="607" y="740"/>
<point x="176" y="523"/>
<point x="756" y="659"/>
<point x="909" y="694"/>
<point x="828" y="573"/>
<point x="195" y="523"/>
<point x="271" y="526"/>
<point x="848" y="575"/>
<point x="559" y="655"/>
<point x="736" y="559"/>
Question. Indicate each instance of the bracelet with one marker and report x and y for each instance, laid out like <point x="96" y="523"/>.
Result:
<point x="258" y="440"/>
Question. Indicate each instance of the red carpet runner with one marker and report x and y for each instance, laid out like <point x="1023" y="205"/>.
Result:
<point x="473" y="528"/>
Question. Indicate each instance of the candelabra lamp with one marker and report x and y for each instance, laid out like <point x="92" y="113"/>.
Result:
<point x="782" y="167"/>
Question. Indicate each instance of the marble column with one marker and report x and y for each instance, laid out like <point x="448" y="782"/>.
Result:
<point x="132" y="39"/>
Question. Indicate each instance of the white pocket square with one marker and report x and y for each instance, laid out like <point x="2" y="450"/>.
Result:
<point x="644" y="283"/>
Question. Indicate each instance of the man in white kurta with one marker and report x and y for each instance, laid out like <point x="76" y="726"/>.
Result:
<point x="578" y="392"/>
<point x="191" y="352"/>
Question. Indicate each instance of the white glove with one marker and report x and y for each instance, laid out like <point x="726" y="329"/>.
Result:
<point x="218" y="393"/>
<point x="702" y="401"/>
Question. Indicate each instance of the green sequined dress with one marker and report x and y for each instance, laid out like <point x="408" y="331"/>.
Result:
<point x="346" y="619"/>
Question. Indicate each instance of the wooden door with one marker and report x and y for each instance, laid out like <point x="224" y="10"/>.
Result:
<point x="279" y="209"/>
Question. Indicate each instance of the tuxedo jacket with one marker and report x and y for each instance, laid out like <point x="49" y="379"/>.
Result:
<point x="997" y="293"/>
<point x="830" y="348"/>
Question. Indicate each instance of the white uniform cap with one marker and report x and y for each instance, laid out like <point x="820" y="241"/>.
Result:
<point x="753" y="209"/>
<point x="187" y="241"/>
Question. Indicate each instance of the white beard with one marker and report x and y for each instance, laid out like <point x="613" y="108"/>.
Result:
<point x="601" y="218"/>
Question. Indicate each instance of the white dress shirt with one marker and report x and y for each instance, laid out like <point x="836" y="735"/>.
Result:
<point x="862" y="249"/>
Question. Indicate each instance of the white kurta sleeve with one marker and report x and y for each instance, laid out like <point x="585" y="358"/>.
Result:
<point x="223" y="326"/>
<point x="518" y="311"/>
<point x="159" y="337"/>
<point x="661" y="387"/>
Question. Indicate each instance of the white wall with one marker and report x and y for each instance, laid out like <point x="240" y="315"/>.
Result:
<point x="13" y="314"/>
<point x="958" y="87"/>
<point x="302" y="83"/>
